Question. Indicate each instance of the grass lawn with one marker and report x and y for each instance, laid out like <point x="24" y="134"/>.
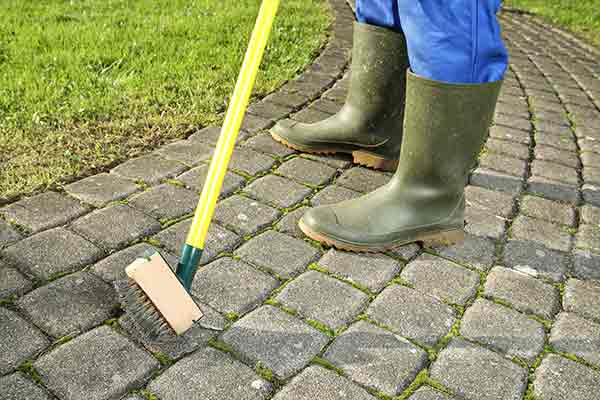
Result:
<point x="581" y="17"/>
<point x="85" y="84"/>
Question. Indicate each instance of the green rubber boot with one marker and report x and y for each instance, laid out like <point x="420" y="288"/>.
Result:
<point x="445" y="126"/>
<point x="369" y="125"/>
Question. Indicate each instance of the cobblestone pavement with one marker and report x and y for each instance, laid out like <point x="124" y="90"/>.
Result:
<point x="512" y="313"/>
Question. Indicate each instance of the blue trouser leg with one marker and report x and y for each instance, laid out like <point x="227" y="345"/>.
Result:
<point x="456" y="41"/>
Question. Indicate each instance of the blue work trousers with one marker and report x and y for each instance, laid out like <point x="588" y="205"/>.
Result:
<point x="456" y="41"/>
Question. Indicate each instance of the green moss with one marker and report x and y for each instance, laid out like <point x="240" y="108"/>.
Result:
<point x="152" y="242"/>
<point x="166" y="222"/>
<point x="420" y="380"/>
<point x="327" y="365"/>
<point x="27" y="368"/>
<point x="220" y="345"/>
<point x="321" y="327"/>
<point x="163" y="359"/>
<point x="232" y="316"/>
<point x="264" y="372"/>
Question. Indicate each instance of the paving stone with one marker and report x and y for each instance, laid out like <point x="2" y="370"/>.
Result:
<point x="188" y="152"/>
<point x="552" y="154"/>
<point x="43" y="211"/>
<point x="515" y="110"/>
<point x="589" y="144"/>
<point x="407" y="252"/>
<point x="535" y="260"/>
<point x="503" y="329"/>
<point x="412" y="314"/>
<point x="590" y="214"/>
<point x="591" y="193"/>
<point x="289" y="223"/>
<point x="588" y="237"/>
<point x="211" y="134"/>
<point x="338" y="160"/>
<point x="8" y="234"/>
<point x="245" y="216"/>
<point x="476" y="373"/>
<point x="337" y="94"/>
<point x="576" y="335"/>
<point x="319" y="297"/>
<point x="333" y="194"/>
<point x="231" y="286"/>
<point x="98" y="190"/>
<point x="252" y="123"/>
<point x="585" y="264"/>
<point x="371" y="271"/>
<point x="552" y="189"/>
<point x="210" y="374"/>
<point x="276" y="190"/>
<point x="19" y="387"/>
<point x="590" y="159"/>
<point x="115" y="226"/>
<point x="165" y="201"/>
<point x="70" y="305"/>
<point x="264" y="143"/>
<point x="495" y="180"/>
<point x="218" y="240"/>
<point x="196" y="177"/>
<point x="497" y="202"/>
<point x="310" y="115"/>
<point x="516" y="150"/>
<point x="150" y="169"/>
<point x="376" y="358"/>
<point x="523" y="292"/>
<point x="554" y="172"/>
<point x="267" y="333"/>
<point x="100" y="364"/>
<point x="475" y="251"/>
<point x="52" y="252"/>
<point x="269" y="110"/>
<point x="12" y="282"/>
<point x="250" y="162"/>
<point x="560" y="379"/>
<point x="539" y="231"/>
<point x="512" y="122"/>
<point x="583" y="298"/>
<point x="552" y="211"/>
<point x="319" y="383"/>
<point x="307" y="171"/>
<point x="325" y="105"/>
<point x="484" y="223"/>
<point x="19" y="340"/>
<point x="362" y="180"/>
<point x="563" y="141"/>
<point x="499" y="162"/>
<point x="441" y="278"/>
<point x="506" y="133"/>
<point x="292" y="100"/>
<point x="428" y="393"/>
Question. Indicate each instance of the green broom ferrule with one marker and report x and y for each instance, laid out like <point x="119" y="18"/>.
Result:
<point x="188" y="265"/>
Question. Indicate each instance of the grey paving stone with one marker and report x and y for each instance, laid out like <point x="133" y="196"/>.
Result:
<point x="558" y="156"/>
<point x="585" y="264"/>
<point x="269" y="110"/>
<point x="52" y="252"/>
<point x="267" y="333"/>
<point x="475" y="251"/>
<point x="548" y="210"/>
<point x="264" y="143"/>
<point x="100" y="364"/>
<point x="325" y="105"/>
<point x="284" y="255"/>
<point x="98" y="190"/>
<point x="506" y="133"/>
<point x="583" y="298"/>
<point x="535" y="260"/>
<point x="502" y="163"/>
<point x="19" y="387"/>
<point x="307" y="171"/>
<point x="333" y="194"/>
<point x="516" y="110"/>
<point x="319" y="297"/>
<point x="44" y="211"/>
<point x="8" y="234"/>
<point x="250" y="162"/>
<point x="19" y="340"/>
<point x="293" y="100"/>
<point x="371" y="271"/>
<point x="12" y="282"/>
<point x="428" y="393"/>
<point x="210" y="374"/>
<point x="289" y="223"/>
<point x="412" y="314"/>
<point x="590" y="159"/>
<point x="590" y="214"/>
<point x="115" y="226"/>
<point x="407" y="252"/>
<point x="338" y="160"/>
<point x="476" y="373"/>
<point x="70" y="305"/>
<point x="589" y="144"/>
<point x="505" y="147"/>
<point x="187" y="152"/>
<point x="376" y="358"/>
<point x="552" y="189"/>
<point x="276" y="190"/>
<point x="245" y="216"/>
<point x="495" y="180"/>
<point x="112" y="268"/>
<point x="512" y="122"/>
<point x="591" y="193"/>
<point x="576" y="335"/>
<point x="554" y="172"/>
<point x="310" y="116"/>
<point x="211" y="134"/>
<point x="588" y="237"/>
<point x="485" y="223"/>
<point x="503" y="329"/>
<point x="149" y="169"/>
<point x="560" y="379"/>
<point x="362" y="179"/>
<point x="539" y="231"/>
<point x="320" y="383"/>
<point x="252" y="123"/>
<point x="218" y="240"/>
<point x="196" y="177"/>
<point x="165" y="201"/>
<point x="441" y="278"/>
<point x="492" y="201"/>
<point x="563" y="141"/>
<point x="523" y="292"/>
<point x="231" y="286"/>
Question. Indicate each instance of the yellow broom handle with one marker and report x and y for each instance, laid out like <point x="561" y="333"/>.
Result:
<point x="231" y="126"/>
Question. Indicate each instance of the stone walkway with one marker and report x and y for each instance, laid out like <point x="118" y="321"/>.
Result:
<point x="513" y="313"/>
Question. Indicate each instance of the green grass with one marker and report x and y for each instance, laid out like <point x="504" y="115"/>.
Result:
<point x="581" y="17"/>
<point x="86" y="84"/>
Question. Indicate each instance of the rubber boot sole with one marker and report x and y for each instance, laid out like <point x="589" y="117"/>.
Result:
<point x="360" y="157"/>
<point x="433" y="239"/>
